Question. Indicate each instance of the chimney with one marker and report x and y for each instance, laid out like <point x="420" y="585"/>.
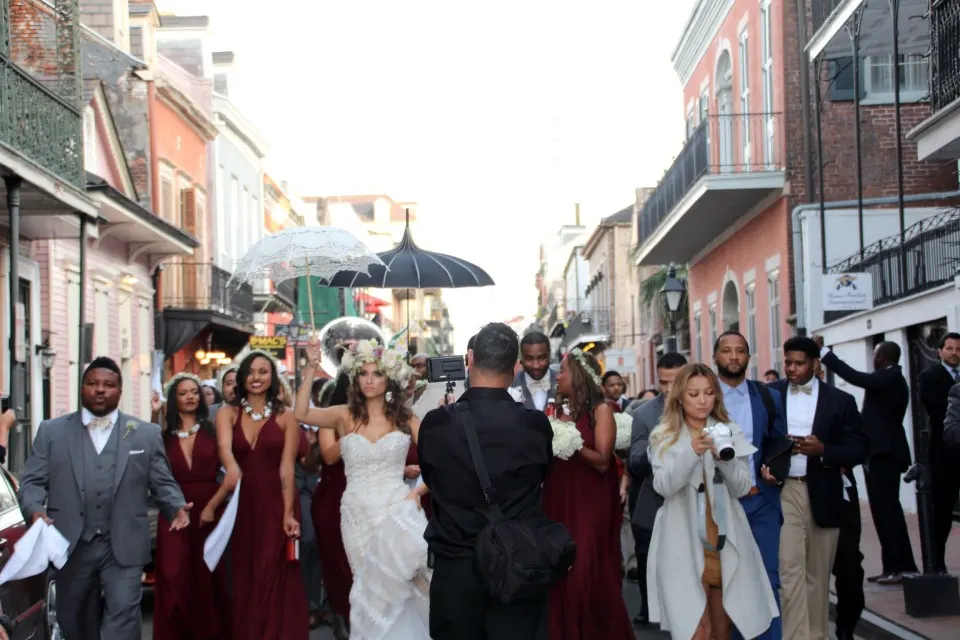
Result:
<point x="109" y="18"/>
<point x="222" y="65"/>
<point x="577" y="205"/>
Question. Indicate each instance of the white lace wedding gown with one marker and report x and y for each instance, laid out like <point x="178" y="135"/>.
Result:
<point x="383" y="538"/>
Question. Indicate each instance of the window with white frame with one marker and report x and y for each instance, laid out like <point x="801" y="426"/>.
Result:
<point x="101" y="307"/>
<point x="773" y="300"/>
<point x="704" y="105"/>
<point x="713" y="326"/>
<point x="235" y="221"/>
<point x="168" y="203"/>
<point x="691" y="122"/>
<point x="144" y="336"/>
<point x="744" y="54"/>
<point x="766" y="59"/>
<point x="878" y="77"/>
<point x="222" y="223"/>
<point x="698" y="337"/>
<point x="751" y="292"/>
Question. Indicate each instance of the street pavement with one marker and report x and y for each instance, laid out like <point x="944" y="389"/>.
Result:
<point x="630" y="593"/>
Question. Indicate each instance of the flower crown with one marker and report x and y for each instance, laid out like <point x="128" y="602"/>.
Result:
<point x="587" y="369"/>
<point x="177" y="379"/>
<point x="372" y="352"/>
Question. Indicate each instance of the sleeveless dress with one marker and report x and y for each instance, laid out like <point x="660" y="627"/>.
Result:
<point x="383" y="538"/>
<point x="268" y="597"/>
<point x="325" y="511"/>
<point x="587" y="603"/>
<point x="190" y="602"/>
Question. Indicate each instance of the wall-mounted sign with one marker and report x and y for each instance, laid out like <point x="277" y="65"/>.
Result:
<point x="274" y="345"/>
<point x="622" y="361"/>
<point x="847" y="291"/>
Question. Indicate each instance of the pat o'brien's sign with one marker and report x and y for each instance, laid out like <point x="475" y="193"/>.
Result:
<point x="274" y="345"/>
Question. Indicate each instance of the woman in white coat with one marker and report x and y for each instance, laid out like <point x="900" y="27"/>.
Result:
<point x="706" y="570"/>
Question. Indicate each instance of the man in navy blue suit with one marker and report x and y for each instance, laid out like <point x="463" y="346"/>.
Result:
<point x="828" y="436"/>
<point x="758" y="412"/>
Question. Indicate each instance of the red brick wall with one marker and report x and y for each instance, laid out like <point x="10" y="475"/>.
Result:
<point x="33" y="38"/>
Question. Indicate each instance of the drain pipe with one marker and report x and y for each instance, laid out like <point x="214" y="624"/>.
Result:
<point x="798" y="282"/>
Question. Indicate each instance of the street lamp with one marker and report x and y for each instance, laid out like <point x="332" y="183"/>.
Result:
<point x="672" y="295"/>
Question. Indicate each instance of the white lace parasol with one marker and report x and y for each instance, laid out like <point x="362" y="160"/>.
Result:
<point x="304" y="251"/>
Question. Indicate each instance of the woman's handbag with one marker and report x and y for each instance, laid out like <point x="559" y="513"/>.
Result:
<point x="516" y="559"/>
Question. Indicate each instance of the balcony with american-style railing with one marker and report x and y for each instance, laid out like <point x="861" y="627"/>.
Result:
<point x="202" y="289"/>
<point x="729" y="165"/>
<point x="938" y="137"/>
<point x="41" y="119"/>
<point x="271" y="297"/>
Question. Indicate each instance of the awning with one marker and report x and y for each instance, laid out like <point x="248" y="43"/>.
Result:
<point x="135" y="225"/>
<point x="370" y="302"/>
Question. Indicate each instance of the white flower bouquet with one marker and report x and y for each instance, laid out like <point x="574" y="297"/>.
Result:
<point x="566" y="439"/>
<point x="624" y="427"/>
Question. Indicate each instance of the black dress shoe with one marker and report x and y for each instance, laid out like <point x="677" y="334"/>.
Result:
<point x="642" y="619"/>
<point x="844" y="635"/>
<point x="890" y="579"/>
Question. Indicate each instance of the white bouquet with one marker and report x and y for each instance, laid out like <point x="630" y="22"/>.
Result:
<point x="566" y="439"/>
<point x="624" y="428"/>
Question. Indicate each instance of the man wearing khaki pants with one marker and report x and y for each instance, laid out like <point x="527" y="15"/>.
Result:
<point x="828" y="431"/>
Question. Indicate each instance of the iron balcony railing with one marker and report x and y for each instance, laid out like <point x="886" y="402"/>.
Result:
<point x="287" y="290"/>
<point x="944" y="57"/>
<point x="721" y="144"/>
<point x="202" y="286"/>
<point x="820" y="11"/>
<point x="932" y="248"/>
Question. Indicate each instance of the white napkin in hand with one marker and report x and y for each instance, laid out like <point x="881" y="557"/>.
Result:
<point x="846" y="485"/>
<point x="216" y="542"/>
<point x="41" y="545"/>
<point x="516" y="393"/>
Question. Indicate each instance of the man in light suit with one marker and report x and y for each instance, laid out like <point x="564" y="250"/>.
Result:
<point x="537" y="382"/>
<point x="643" y="501"/>
<point x="90" y="475"/>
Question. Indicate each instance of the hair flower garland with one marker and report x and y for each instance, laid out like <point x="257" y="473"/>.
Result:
<point x="389" y="361"/>
<point x="582" y="361"/>
<point x="177" y="379"/>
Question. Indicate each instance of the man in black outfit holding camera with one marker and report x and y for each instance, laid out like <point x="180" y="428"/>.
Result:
<point x="517" y="448"/>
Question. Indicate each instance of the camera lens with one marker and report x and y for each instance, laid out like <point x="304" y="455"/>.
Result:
<point x="727" y="454"/>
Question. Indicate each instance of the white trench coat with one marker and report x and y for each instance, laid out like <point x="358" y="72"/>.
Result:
<point x="677" y="598"/>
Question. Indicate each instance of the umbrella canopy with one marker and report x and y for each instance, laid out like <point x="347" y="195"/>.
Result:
<point x="407" y="266"/>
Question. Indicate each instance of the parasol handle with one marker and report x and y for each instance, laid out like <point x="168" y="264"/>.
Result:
<point x="313" y="320"/>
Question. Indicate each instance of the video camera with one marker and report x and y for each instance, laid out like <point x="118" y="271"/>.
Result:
<point x="449" y="369"/>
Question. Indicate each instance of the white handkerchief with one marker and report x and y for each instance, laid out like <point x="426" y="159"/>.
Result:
<point x="33" y="553"/>
<point x="540" y="399"/>
<point x="516" y="393"/>
<point x="846" y="485"/>
<point x="135" y="452"/>
<point x="216" y="542"/>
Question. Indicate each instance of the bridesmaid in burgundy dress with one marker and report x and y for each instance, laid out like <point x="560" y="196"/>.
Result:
<point x="259" y="439"/>
<point x="325" y="511"/>
<point x="190" y="602"/>
<point x="583" y="494"/>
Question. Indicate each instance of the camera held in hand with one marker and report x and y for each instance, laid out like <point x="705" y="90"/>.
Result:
<point x="722" y="438"/>
<point x="449" y="369"/>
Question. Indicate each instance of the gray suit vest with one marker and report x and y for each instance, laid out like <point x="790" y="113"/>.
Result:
<point x="99" y="472"/>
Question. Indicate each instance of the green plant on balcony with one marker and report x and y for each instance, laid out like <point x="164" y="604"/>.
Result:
<point x="650" y="291"/>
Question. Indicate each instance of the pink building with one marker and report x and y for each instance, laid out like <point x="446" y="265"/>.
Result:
<point x="119" y="264"/>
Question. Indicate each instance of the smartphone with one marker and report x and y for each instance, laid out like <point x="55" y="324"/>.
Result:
<point x="4" y="404"/>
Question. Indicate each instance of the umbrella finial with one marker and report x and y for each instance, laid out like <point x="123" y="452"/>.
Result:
<point x="407" y="212"/>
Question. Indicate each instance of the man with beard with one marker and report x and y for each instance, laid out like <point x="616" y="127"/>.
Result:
<point x="537" y="383"/>
<point x="755" y="409"/>
<point x="228" y="389"/>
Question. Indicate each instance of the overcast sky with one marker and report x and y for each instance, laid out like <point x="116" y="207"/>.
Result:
<point x="496" y="117"/>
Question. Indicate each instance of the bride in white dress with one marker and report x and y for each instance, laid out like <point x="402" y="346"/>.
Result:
<point x="381" y="520"/>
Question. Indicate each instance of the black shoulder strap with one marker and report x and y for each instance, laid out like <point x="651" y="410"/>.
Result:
<point x="768" y="404"/>
<point x="466" y="419"/>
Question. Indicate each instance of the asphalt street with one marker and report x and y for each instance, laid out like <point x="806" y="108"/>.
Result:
<point x="630" y="593"/>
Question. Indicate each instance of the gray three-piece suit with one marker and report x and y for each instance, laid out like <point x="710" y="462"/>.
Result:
<point x="99" y="503"/>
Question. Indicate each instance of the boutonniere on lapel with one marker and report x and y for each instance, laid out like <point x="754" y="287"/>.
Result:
<point x="130" y="428"/>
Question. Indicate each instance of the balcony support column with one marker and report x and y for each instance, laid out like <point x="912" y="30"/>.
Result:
<point x="853" y="30"/>
<point x="13" y="184"/>
<point x="82" y="289"/>
<point x="821" y="195"/>
<point x="898" y="136"/>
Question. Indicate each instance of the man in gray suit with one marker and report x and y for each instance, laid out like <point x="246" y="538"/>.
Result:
<point x="643" y="501"/>
<point x="537" y="382"/>
<point x="90" y="475"/>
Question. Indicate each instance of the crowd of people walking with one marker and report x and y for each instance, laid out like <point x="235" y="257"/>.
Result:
<point x="359" y="507"/>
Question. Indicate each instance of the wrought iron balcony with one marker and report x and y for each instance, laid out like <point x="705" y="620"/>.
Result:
<point x="932" y="248"/>
<point x="35" y="121"/>
<point x="944" y="57"/>
<point x="733" y="162"/>
<point x="201" y="286"/>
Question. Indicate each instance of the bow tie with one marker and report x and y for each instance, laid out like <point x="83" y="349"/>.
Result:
<point x="806" y="389"/>
<point x="542" y="384"/>
<point x="102" y="424"/>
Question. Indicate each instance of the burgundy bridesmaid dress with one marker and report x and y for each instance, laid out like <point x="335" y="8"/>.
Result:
<point x="269" y="602"/>
<point x="325" y="511"/>
<point x="190" y="602"/>
<point x="587" y="603"/>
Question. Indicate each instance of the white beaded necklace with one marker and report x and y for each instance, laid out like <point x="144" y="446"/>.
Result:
<point x="183" y="435"/>
<point x="256" y="417"/>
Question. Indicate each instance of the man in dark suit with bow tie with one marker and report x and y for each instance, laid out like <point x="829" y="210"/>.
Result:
<point x="885" y="400"/>
<point x="537" y="382"/>
<point x="935" y="384"/>
<point x="828" y="434"/>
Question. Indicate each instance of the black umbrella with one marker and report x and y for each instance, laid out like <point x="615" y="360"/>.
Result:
<point x="407" y="266"/>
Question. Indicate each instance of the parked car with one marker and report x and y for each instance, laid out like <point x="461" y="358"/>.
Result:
<point x="31" y="602"/>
